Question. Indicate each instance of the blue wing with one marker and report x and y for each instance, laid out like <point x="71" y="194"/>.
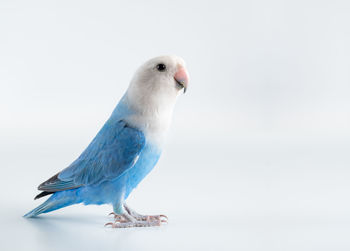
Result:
<point x="114" y="150"/>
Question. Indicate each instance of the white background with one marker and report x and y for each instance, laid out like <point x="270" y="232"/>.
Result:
<point x="258" y="154"/>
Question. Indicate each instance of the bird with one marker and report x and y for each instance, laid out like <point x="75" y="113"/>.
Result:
<point x="126" y="148"/>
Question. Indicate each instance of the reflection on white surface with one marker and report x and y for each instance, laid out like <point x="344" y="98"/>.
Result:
<point x="286" y="197"/>
<point x="85" y="231"/>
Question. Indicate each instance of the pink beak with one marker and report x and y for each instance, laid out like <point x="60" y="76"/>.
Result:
<point x="181" y="78"/>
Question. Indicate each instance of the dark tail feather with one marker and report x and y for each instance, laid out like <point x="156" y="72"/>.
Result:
<point x="42" y="194"/>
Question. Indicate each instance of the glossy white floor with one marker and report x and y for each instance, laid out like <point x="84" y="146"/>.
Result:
<point x="256" y="196"/>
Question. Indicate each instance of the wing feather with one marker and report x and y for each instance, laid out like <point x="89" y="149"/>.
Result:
<point x="113" y="151"/>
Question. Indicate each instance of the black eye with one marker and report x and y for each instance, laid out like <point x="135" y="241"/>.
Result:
<point x="161" y="67"/>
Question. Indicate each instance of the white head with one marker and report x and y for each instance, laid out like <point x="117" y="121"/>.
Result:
<point x="153" y="91"/>
<point x="157" y="83"/>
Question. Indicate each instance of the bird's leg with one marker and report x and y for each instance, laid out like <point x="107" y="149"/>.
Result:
<point x="126" y="217"/>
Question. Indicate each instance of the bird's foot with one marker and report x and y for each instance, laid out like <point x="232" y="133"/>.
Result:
<point x="140" y="217"/>
<point x="161" y="217"/>
<point x="126" y="220"/>
<point x="133" y="219"/>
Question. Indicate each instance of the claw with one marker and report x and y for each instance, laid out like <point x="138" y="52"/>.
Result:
<point x="164" y="216"/>
<point x="109" y="223"/>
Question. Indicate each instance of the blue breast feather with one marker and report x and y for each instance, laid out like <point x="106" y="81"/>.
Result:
<point x="113" y="164"/>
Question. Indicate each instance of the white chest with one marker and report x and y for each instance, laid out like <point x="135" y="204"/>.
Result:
<point x="154" y="126"/>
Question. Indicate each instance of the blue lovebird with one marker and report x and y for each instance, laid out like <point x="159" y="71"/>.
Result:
<point x="125" y="150"/>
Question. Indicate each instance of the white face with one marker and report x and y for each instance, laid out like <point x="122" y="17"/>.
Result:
<point x="158" y="82"/>
<point x="152" y="95"/>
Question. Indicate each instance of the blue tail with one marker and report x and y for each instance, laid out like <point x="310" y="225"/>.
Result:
<point x="43" y="208"/>
<point x="56" y="201"/>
